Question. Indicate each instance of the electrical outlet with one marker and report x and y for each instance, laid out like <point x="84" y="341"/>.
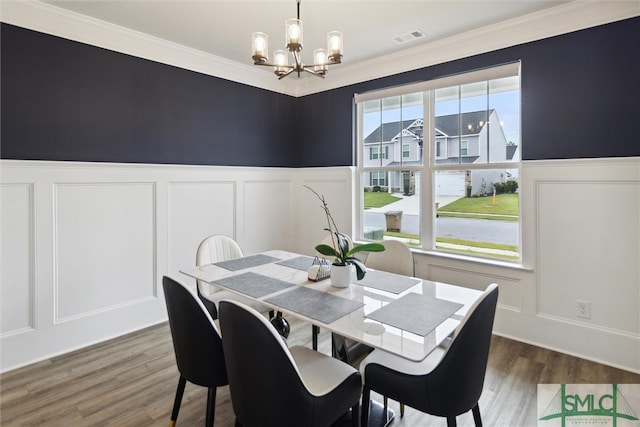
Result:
<point x="583" y="309"/>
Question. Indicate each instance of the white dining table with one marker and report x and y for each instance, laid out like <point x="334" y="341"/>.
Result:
<point x="406" y="316"/>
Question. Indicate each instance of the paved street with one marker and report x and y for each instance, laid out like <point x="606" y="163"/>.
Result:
<point x="479" y="230"/>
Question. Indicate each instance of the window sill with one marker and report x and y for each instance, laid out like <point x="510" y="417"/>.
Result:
<point x="476" y="260"/>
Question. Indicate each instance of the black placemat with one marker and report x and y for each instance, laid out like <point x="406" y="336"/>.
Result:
<point x="317" y="305"/>
<point x="416" y="313"/>
<point x="246" y="262"/>
<point x="253" y="284"/>
<point x="389" y="282"/>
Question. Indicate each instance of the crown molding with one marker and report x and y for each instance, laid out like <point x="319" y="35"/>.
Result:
<point x="48" y="19"/>
<point x="562" y="19"/>
<point x="558" y="20"/>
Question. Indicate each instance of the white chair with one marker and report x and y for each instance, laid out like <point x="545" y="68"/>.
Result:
<point x="396" y="258"/>
<point x="214" y="249"/>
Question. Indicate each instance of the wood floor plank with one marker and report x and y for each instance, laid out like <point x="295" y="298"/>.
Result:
<point x="131" y="381"/>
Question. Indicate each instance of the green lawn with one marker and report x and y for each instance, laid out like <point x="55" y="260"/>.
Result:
<point x="378" y="200"/>
<point x="506" y="207"/>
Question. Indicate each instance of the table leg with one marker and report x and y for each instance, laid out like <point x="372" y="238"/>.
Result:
<point x="315" y="330"/>
<point x="378" y="417"/>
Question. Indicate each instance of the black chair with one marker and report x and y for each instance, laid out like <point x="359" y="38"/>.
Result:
<point x="197" y="345"/>
<point x="449" y="381"/>
<point x="273" y="385"/>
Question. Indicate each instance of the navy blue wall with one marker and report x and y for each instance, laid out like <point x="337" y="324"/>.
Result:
<point x="63" y="100"/>
<point x="580" y="97"/>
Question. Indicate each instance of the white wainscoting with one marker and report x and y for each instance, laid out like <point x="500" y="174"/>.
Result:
<point x="85" y="246"/>
<point x="580" y="241"/>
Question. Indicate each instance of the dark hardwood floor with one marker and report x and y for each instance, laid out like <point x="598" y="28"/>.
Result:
<point x="131" y="381"/>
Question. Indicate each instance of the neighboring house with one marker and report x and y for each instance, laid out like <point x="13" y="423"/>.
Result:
<point x="401" y="144"/>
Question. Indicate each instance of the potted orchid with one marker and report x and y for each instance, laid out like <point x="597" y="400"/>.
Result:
<point x="341" y="250"/>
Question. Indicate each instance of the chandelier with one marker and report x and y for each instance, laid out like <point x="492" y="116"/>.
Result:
<point x="322" y="58"/>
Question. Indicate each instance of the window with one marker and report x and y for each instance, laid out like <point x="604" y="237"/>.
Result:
<point x="464" y="147"/>
<point x="374" y="152"/>
<point x="453" y="154"/>
<point x="378" y="179"/>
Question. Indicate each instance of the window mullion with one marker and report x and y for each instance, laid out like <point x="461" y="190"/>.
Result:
<point x="427" y="214"/>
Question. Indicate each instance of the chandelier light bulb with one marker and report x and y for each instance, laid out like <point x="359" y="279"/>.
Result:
<point x="334" y="46"/>
<point x="280" y="58"/>
<point x="334" y="43"/>
<point x="260" y="47"/>
<point x="294" y="33"/>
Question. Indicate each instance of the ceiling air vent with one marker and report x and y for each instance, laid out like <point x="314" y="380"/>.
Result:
<point x="407" y="37"/>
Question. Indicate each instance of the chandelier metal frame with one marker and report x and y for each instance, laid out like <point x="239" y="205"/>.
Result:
<point x="294" y="37"/>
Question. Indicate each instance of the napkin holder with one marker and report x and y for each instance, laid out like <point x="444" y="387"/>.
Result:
<point x="319" y="270"/>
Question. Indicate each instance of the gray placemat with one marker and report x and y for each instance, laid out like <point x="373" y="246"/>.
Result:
<point x="388" y="282"/>
<point x="317" y="305"/>
<point x="246" y="262"/>
<point x="253" y="284"/>
<point x="301" y="263"/>
<point x="416" y="313"/>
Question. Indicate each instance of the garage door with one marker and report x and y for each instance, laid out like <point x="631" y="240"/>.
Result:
<point x="450" y="183"/>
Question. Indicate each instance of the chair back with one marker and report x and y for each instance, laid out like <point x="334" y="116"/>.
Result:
<point x="396" y="258"/>
<point x="265" y="384"/>
<point x="196" y="340"/>
<point x="455" y="385"/>
<point x="216" y="248"/>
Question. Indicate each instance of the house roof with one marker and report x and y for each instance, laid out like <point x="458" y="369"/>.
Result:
<point x="448" y="125"/>
<point x="391" y="130"/>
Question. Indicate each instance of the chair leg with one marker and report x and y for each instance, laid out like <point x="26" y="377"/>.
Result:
<point x="176" y="403"/>
<point x="451" y="422"/>
<point x="476" y="415"/>
<point x="355" y="415"/>
<point x="401" y="409"/>
<point x="211" y="406"/>
<point x="366" y="395"/>
<point x="385" y="403"/>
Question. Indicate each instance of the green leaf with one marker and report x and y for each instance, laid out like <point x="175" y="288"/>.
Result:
<point x="367" y="247"/>
<point x="326" y="250"/>
<point x="361" y="270"/>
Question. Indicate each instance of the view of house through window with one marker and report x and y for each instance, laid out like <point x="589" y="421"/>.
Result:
<point x="439" y="163"/>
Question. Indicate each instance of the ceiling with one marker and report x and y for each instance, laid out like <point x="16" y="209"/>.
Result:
<point x="223" y="28"/>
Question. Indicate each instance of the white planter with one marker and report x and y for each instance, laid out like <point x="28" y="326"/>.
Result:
<point x="341" y="275"/>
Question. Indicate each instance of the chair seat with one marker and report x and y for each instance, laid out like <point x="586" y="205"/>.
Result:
<point x="400" y="364"/>
<point x="320" y="373"/>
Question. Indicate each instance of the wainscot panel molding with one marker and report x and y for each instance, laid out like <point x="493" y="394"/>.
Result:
<point x="158" y="214"/>
<point x="85" y="245"/>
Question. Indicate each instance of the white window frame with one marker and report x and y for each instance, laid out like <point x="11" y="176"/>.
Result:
<point x="464" y="145"/>
<point x="428" y="169"/>
<point x="408" y="151"/>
